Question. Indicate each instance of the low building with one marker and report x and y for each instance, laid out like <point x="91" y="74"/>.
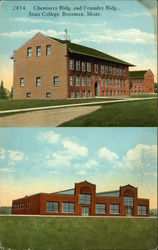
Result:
<point x="142" y="82"/>
<point x="84" y="201"/>
<point x="51" y="68"/>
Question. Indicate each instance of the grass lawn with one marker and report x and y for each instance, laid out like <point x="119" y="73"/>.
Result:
<point x="128" y="114"/>
<point x="21" y="104"/>
<point x="78" y="233"/>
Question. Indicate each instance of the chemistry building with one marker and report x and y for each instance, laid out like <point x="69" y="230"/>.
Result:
<point x="82" y="200"/>
<point x="50" y="68"/>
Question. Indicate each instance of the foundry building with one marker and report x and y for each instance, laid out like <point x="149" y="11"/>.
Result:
<point x="50" y="68"/>
<point x="82" y="200"/>
<point x="142" y="82"/>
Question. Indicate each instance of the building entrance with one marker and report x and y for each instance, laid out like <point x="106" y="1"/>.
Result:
<point x="96" y="89"/>
<point x="85" y="211"/>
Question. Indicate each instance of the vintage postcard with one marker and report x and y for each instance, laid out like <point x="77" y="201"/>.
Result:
<point x="78" y="118"/>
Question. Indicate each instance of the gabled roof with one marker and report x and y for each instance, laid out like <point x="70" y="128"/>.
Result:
<point x="84" y="50"/>
<point x="137" y="74"/>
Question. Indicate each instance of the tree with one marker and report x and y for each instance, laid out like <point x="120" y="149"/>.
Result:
<point x="3" y="92"/>
<point x="156" y="87"/>
<point x="11" y="93"/>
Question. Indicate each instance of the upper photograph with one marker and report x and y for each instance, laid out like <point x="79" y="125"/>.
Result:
<point x="78" y="64"/>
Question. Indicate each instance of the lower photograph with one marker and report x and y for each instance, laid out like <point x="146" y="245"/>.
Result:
<point x="78" y="188"/>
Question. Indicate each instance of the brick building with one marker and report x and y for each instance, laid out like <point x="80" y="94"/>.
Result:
<point x="50" y="68"/>
<point x="83" y="200"/>
<point x="142" y="82"/>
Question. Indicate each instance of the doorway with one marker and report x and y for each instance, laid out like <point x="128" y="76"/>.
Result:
<point x="96" y="89"/>
<point x="85" y="211"/>
<point x="129" y="211"/>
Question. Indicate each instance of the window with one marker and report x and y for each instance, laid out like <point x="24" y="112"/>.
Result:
<point x="100" y="208"/>
<point x="84" y="94"/>
<point x="114" y="71"/>
<point x="107" y="82"/>
<point x="89" y="81"/>
<point x="83" y="66"/>
<point x="114" y="82"/>
<point x="142" y="210"/>
<point x="68" y="207"/>
<point x="89" y="93"/>
<point x="72" y="94"/>
<point x="29" y="52"/>
<point x="117" y="82"/>
<point x="28" y="95"/>
<point x="106" y="69"/>
<point x="85" y="199"/>
<point x="22" y="83"/>
<point x="52" y="207"/>
<point x="124" y="72"/>
<point x="78" y="94"/>
<point x="110" y="82"/>
<point x="71" y="80"/>
<point x="124" y="82"/>
<point x="38" y="81"/>
<point x="102" y="69"/>
<point x="28" y="205"/>
<point x="83" y="80"/>
<point x="77" y="80"/>
<point x="38" y="51"/>
<point x="71" y="64"/>
<point x="128" y="201"/>
<point x="110" y="70"/>
<point x="56" y="80"/>
<point x="102" y="83"/>
<point x="88" y="67"/>
<point x="117" y="71"/>
<point x="114" y="208"/>
<point x="120" y="72"/>
<point x="95" y="68"/>
<point x="48" y="94"/>
<point x="78" y="65"/>
<point x="48" y="50"/>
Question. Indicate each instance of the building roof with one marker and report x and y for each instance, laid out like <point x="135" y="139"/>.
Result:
<point x="67" y="192"/>
<point x="115" y="193"/>
<point x="84" y="50"/>
<point x="137" y="74"/>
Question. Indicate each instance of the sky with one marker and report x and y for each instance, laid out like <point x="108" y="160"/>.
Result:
<point x="34" y="160"/>
<point x="127" y="32"/>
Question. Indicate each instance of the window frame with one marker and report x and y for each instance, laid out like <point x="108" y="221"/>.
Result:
<point x="55" y="81"/>
<point x="22" y="83"/>
<point x="53" y="205"/>
<point x="118" y="205"/>
<point x="48" y="51"/>
<point x="38" y="50"/>
<point x="99" y="208"/>
<point x="69" y="204"/>
<point x="38" y="83"/>
<point x="29" y="52"/>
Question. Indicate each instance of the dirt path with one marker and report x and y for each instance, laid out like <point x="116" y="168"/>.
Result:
<point x="46" y="118"/>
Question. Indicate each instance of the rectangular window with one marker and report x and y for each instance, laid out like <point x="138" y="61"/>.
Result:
<point x="128" y="201"/>
<point x="28" y="205"/>
<point x="28" y="95"/>
<point x="48" y="94"/>
<point x="72" y="94"/>
<point x="117" y="71"/>
<point x="107" y="82"/>
<point x="68" y="207"/>
<point x="142" y="210"/>
<point x="78" y="94"/>
<point x="124" y="72"/>
<point x="114" y="208"/>
<point x="38" y="81"/>
<point x="114" y="72"/>
<point x="48" y="50"/>
<point x="77" y="80"/>
<point x="71" y="80"/>
<point x="124" y="81"/>
<point x="84" y="94"/>
<point x="89" y="93"/>
<point x="77" y="65"/>
<point x="56" y="80"/>
<point x="100" y="208"/>
<point x="85" y="199"/>
<point x="110" y="82"/>
<point x="52" y="207"/>
<point x="106" y="69"/>
<point x="117" y="82"/>
<point x="114" y="82"/>
<point x="83" y="80"/>
<point x="71" y="64"/>
<point x="88" y="67"/>
<point x="29" y="52"/>
<point x="95" y="68"/>
<point x="110" y="70"/>
<point x="22" y="82"/>
<point x="102" y="83"/>
<point x="102" y="69"/>
<point x="89" y="81"/>
<point x="83" y="66"/>
<point x="38" y="51"/>
<point x="120" y="72"/>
